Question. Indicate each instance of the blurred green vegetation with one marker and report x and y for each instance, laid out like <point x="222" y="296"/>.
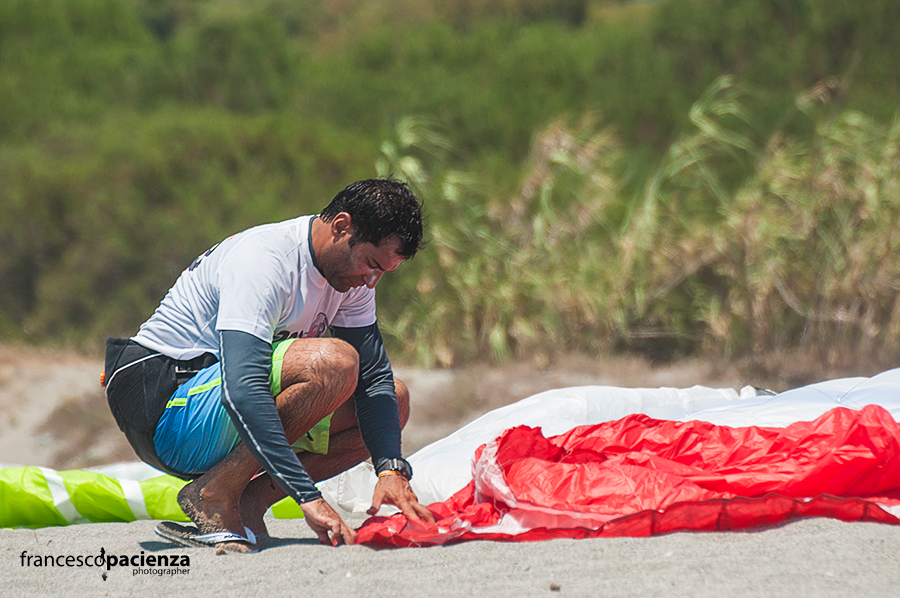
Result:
<point x="672" y="177"/>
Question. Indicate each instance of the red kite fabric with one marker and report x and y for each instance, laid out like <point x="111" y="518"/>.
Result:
<point x="639" y="476"/>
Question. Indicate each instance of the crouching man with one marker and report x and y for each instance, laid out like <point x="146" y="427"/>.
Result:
<point x="231" y="384"/>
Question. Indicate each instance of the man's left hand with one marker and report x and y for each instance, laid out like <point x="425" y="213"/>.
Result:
<point x="395" y="490"/>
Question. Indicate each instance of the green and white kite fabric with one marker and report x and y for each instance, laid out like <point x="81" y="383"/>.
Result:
<point x="41" y="497"/>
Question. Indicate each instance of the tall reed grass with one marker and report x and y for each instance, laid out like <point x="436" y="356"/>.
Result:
<point x="735" y="245"/>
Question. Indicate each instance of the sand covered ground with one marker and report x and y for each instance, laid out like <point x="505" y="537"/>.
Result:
<point x="816" y="557"/>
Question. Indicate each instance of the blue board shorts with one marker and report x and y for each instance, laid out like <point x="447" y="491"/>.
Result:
<point x="195" y="431"/>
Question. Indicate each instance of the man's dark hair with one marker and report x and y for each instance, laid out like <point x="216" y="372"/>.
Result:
<point x="380" y="208"/>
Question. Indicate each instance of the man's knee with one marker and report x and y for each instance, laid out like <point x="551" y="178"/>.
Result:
<point x="402" y="400"/>
<point x="328" y="361"/>
<point x="341" y="357"/>
<point x="338" y="361"/>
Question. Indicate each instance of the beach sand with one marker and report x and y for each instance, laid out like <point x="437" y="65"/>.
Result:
<point x="813" y="557"/>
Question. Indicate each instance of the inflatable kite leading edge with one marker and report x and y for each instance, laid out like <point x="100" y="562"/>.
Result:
<point x="41" y="497"/>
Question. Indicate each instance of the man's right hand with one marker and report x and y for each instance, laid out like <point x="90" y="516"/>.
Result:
<point x="327" y="524"/>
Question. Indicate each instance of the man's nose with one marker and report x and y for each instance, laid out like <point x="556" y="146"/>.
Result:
<point x="372" y="278"/>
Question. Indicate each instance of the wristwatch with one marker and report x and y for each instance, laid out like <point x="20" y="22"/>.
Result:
<point x="401" y="466"/>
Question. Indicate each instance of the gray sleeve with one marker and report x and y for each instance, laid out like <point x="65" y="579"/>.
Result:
<point x="377" y="410"/>
<point x="246" y="366"/>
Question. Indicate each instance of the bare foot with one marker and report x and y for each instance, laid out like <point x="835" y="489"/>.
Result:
<point x="210" y="515"/>
<point x="256" y="499"/>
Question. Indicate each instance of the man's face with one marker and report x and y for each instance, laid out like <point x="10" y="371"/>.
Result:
<point x="363" y="264"/>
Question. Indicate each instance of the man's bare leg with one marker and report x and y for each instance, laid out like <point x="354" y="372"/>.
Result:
<point x="318" y="376"/>
<point x="345" y="450"/>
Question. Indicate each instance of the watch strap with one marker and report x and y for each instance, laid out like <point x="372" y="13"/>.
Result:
<point x="400" y="465"/>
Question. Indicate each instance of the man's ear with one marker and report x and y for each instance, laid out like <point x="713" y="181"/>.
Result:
<point x="340" y="225"/>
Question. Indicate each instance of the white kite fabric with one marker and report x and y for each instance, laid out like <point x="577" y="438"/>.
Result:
<point x="36" y="497"/>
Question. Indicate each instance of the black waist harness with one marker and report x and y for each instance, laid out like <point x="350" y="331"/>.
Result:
<point x="139" y="383"/>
